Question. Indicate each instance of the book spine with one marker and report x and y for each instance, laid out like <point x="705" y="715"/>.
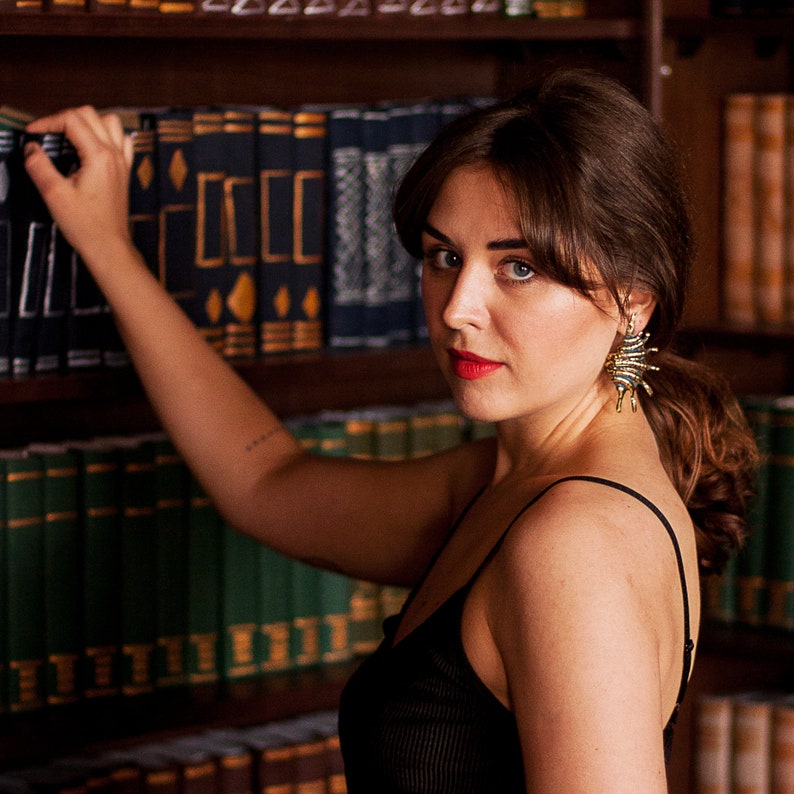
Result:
<point x="751" y="583"/>
<point x="346" y="274"/>
<point x="738" y="208"/>
<point x="241" y="646"/>
<point x="50" y="353"/>
<point x="769" y="165"/>
<point x="242" y="214"/>
<point x="30" y="247"/>
<point x="782" y="772"/>
<point x="25" y="559"/>
<point x="9" y="157"/>
<point x="171" y="511"/>
<point x="780" y="555"/>
<point x="139" y="567"/>
<point x="752" y="744"/>
<point x="377" y="222"/>
<point x="275" y="221"/>
<point x="210" y="248"/>
<point x="203" y="587"/>
<point x="310" y="135"/>
<point x="62" y="576"/>
<point x="788" y="186"/>
<point x="144" y="203"/>
<point x="713" y="744"/>
<point x="101" y="575"/>
<point x="276" y="600"/>
<point x="177" y="202"/>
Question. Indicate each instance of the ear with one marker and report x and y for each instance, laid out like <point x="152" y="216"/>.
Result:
<point x="640" y="305"/>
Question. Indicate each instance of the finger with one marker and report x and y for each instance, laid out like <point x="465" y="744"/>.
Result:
<point x="40" y="168"/>
<point x="129" y="150"/>
<point x="114" y="128"/>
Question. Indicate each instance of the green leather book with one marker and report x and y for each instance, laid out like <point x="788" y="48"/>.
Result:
<point x="3" y="595"/>
<point x="171" y="528"/>
<point x="63" y="580"/>
<point x="139" y="566"/>
<point x="203" y="587"/>
<point x="276" y="610"/>
<point x="750" y="564"/>
<point x="25" y="560"/>
<point x="780" y="516"/>
<point x="240" y="605"/>
<point x="99" y="482"/>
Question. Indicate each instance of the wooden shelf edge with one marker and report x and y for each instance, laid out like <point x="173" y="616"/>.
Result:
<point x="472" y="27"/>
<point x="781" y="26"/>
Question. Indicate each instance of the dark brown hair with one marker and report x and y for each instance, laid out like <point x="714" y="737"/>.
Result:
<point x="597" y="186"/>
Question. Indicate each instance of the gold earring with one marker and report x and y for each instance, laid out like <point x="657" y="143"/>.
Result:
<point x="627" y="365"/>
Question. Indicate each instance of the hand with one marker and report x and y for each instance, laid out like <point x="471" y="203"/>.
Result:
<point x="90" y="206"/>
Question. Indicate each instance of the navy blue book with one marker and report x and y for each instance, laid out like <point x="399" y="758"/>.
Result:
<point x="275" y="141"/>
<point x="210" y="246"/>
<point x="377" y="225"/>
<point x="308" y="256"/>
<point x="51" y="351"/>
<point x="346" y="273"/>
<point x="242" y="239"/>
<point x="9" y="153"/>
<point x="402" y="266"/>
<point x="177" y="191"/>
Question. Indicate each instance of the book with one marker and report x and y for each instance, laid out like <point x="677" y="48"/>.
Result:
<point x="30" y="250"/>
<point x="276" y="610"/>
<point x="9" y="159"/>
<point x="25" y="571"/>
<point x="99" y="495"/>
<point x="788" y="187"/>
<point x="769" y="201"/>
<point x="713" y="744"/>
<point x="62" y="569"/>
<point x="782" y="751"/>
<point x="172" y="543"/>
<point x="138" y="566"/>
<point x="241" y="202"/>
<point x="780" y="516"/>
<point x="377" y="189"/>
<point x="738" y="210"/>
<point x="346" y="263"/>
<point x="177" y="203"/>
<point x="752" y="743"/>
<point x="240" y="608"/>
<point x="203" y="587"/>
<point x="210" y="247"/>
<point x="308" y="258"/>
<point x="144" y="201"/>
<point x="50" y="350"/>
<point x="751" y="584"/>
<point x="275" y="223"/>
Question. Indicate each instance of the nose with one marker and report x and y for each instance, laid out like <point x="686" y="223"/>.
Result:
<point x="466" y="303"/>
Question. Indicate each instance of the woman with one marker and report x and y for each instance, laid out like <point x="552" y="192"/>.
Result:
<point x="549" y="635"/>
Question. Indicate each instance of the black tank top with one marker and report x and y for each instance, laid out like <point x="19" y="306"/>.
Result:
<point x="416" y="718"/>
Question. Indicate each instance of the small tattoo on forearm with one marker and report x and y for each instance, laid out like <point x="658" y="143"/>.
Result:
<point x="261" y="440"/>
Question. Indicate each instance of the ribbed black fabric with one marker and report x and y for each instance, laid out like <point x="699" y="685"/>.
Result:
<point x="416" y="719"/>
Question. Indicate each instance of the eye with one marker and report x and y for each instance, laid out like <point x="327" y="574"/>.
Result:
<point x="516" y="270"/>
<point x="442" y="258"/>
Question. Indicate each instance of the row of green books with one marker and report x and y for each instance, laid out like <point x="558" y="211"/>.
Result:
<point x="270" y="226"/>
<point x="434" y="9"/>
<point x="119" y="576"/>
<point x="757" y="587"/>
<point x="296" y="754"/>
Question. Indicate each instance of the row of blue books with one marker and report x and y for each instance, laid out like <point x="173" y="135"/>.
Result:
<point x="270" y="226"/>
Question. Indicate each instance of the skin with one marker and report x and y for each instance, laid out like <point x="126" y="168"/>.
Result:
<point x="576" y="624"/>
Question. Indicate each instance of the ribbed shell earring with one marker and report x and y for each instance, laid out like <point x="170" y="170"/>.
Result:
<point x="627" y="365"/>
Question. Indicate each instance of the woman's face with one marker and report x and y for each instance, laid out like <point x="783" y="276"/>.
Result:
<point x="510" y="341"/>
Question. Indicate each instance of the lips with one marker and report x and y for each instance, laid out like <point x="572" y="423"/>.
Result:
<point x="470" y="366"/>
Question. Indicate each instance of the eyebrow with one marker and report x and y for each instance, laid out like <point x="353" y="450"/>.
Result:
<point x="506" y="244"/>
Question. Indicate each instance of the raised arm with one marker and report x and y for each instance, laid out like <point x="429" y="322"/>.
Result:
<point x="349" y="514"/>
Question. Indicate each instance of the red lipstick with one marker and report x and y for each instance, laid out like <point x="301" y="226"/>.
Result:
<point x="469" y="366"/>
